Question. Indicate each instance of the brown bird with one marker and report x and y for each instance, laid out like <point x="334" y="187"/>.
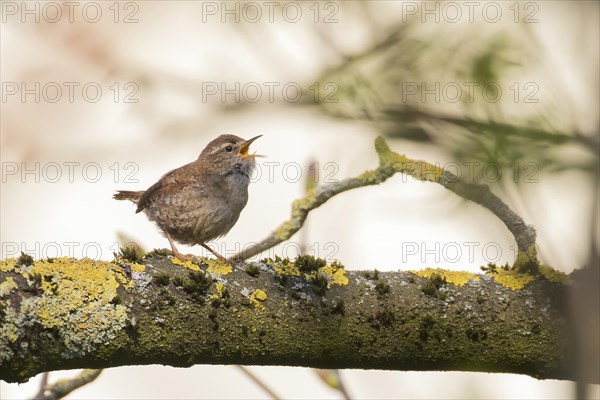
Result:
<point x="202" y="200"/>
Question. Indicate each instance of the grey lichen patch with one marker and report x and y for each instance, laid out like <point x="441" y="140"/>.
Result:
<point x="9" y="333"/>
<point x="74" y="298"/>
<point x="7" y="286"/>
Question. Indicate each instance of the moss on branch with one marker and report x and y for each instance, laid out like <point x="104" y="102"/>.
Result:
<point x="67" y="313"/>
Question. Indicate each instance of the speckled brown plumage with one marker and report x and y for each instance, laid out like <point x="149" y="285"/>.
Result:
<point x="202" y="200"/>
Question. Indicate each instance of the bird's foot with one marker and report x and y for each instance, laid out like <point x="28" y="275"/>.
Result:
<point x="183" y="257"/>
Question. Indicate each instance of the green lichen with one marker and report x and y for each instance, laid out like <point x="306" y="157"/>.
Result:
<point x="288" y="228"/>
<point x="421" y="170"/>
<point x="75" y="298"/>
<point x="527" y="261"/>
<point x="552" y="275"/>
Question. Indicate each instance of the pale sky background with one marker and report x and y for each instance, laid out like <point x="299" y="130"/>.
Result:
<point x="167" y="59"/>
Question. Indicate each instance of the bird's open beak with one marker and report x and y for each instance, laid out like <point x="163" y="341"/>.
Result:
<point x="246" y="145"/>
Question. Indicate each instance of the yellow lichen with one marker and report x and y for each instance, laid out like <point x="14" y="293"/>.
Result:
<point x="511" y="278"/>
<point x="75" y="297"/>
<point x="186" y="264"/>
<point x="72" y="285"/>
<point x="7" y="286"/>
<point x="286" y="267"/>
<point x="218" y="267"/>
<point x="8" y="264"/>
<point x="458" y="278"/>
<point x="136" y="267"/>
<point x="553" y="275"/>
<point x="220" y="290"/>
<point x="336" y="275"/>
<point x="257" y="297"/>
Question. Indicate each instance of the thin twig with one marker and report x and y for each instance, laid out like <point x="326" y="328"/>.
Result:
<point x="43" y="384"/>
<point x="260" y="383"/>
<point x="389" y="164"/>
<point x="333" y="379"/>
<point x="65" y="386"/>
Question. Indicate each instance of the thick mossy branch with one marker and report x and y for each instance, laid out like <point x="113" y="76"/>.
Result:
<point x="391" y="163"/>
<point x="66" y="313"/>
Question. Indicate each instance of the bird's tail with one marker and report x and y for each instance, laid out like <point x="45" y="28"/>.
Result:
<point x="128" y="195"/>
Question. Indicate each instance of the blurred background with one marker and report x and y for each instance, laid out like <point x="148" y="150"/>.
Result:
<point x="100" y="96"/>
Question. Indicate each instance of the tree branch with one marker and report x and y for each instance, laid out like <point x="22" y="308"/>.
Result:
<point x="66" y="313"/>
<point x="391" y="163"/>
<point x="63" y="387"/>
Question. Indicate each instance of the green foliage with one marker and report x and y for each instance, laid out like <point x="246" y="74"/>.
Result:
<point x="25" y="260"/>
<point x="131" y="253"/>
<point x="252" y="270"/>
<point x="373" y="276"/>
<point x="158" y="253"/>
<point x="318" y="282"/>
<point x="307" y="263"/>
<point x="160" y="279"/>
<point x="431" y="287"/>
<point x="382" y="288"/>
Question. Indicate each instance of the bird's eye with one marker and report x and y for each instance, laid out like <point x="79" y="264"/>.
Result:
<point x="229" y="149"/>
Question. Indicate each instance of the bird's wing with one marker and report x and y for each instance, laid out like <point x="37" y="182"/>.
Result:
<point x="172" y="182"/>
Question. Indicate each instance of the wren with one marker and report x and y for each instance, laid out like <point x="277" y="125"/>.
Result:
<point x="202" y="200"/>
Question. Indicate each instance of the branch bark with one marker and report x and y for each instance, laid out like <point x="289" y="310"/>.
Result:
<point x="67" y="313"/>
<point x="391" y="163"/>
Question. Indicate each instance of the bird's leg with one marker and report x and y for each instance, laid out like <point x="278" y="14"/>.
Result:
<point x="174" y="250"/>
<point x="220" y="257"/>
